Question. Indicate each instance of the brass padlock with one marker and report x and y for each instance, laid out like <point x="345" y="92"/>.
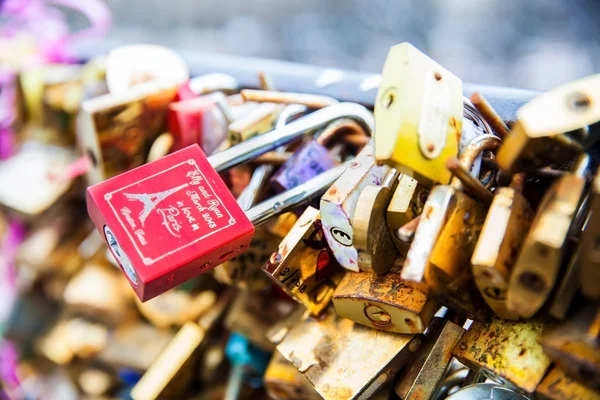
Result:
<point x="552" y="128"/>
<point x="536" y="269"/>
<point x="424" y="374"/>
<point x="590" y="245"/>
<point x="419" y="114"/>
<point x="385" y="302"/>
<point x="504" y="230"/>
<point x="559" y="386"/>
<point x="371" y="237"/>
<point x="574" y="346"/>
<point x="508" y="351"/>
<point x="176" y="307"/>
<point x="116" y="131"/>
<point x="303" y="266"/>
<point x="338" y="205"/>
<point x="446" y="237"/>
<point x="336" y="355"/>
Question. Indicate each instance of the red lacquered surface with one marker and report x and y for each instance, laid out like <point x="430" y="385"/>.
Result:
<point x="169" y="221"/>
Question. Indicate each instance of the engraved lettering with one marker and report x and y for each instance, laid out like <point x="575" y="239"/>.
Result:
<point x="169" y="220"/>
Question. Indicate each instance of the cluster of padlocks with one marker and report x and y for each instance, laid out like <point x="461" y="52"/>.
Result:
<point x="249" y="244"/>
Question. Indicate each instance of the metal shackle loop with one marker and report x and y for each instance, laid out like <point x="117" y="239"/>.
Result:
<point x="472" y="151"/>
<point x="281" y="136"/>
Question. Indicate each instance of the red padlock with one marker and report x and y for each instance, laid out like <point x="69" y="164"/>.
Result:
<point x="173" y="219"/>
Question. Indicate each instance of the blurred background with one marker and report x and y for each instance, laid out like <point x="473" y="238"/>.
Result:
<point x="535" y="44"/>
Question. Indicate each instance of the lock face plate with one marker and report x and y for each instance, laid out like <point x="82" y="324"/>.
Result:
<point x="172" y="219"/>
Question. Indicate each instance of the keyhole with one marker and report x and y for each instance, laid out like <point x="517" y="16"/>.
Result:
<point x="388" y="98"/>
<point x="578" y="102"/>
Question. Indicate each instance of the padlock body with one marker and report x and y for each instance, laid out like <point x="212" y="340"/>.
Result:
<point x="169" y="221"/>
<point x="308" y="161"/>
<point x="385" y="302"/>
<point x="550" y="129"/>
<point x="339" y="203"/>
<point x="503" y="233"/>
<point x="190" y="120"/>
<point x="448" y="271"/>
<point x="419" y="114"/>
<point x="538" y="264"/>
<point x="116" y="132"/>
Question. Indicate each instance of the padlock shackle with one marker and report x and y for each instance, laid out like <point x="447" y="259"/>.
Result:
<point x="295" y="197"/>
<point x="281" y="136"/>
<point x="472" y="151"/>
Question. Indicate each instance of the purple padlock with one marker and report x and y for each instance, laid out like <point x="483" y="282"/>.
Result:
<point x="314" y="157"/>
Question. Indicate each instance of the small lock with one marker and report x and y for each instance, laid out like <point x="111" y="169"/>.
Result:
<point x="419" y="114"/>
<point x="314" y="157"/>
<point x="371" y="237"/>
<point x="538" y="264"/>
<point x="553" y="128"/>
<point x="115" y="131"/>
<point x="174" y="218"/>
<point x="322" y="349"/>
<point x="338" y="205"/>
<point x="385" y="302"/>
<point x="502" y="235"/>
<point x="303" y="266"/>
<point x="445" y="238"/>
<point x="171" y="372"/>
<point x="486" y="391"/>
<point x="197" y="120"/>
<point x="424" y="374"/>
<point x="508" y="351"/>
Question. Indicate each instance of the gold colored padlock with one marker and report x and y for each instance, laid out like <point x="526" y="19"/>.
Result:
<point x="536" y="269"/>
<point x="502" y="235"/>
<point x="553" y="127"/>
<point x="371" y="237"/>
<point x="385" y="302"/>
<point x="419" y="114"/>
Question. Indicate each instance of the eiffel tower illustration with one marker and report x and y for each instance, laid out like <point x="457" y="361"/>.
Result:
<point x="151" y="200"/>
